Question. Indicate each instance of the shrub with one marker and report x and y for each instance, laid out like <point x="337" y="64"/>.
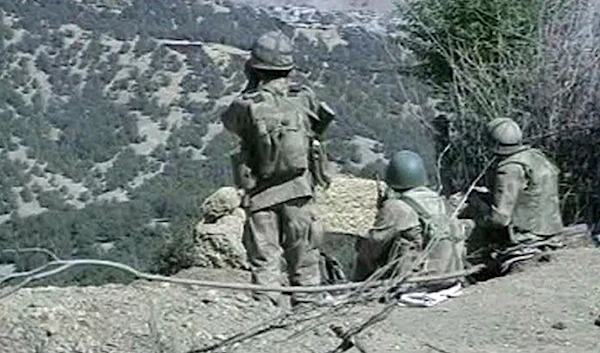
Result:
<point x="177" y="254"/>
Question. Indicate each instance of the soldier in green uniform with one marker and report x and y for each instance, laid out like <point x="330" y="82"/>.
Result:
<point x="409" y="217"/>
<point x="279" y="125"/>
<point x="525" y="200"/>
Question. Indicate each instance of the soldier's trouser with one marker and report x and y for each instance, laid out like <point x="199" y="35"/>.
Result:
<point x="289" y="230"/>
<point x="376" y="253"/>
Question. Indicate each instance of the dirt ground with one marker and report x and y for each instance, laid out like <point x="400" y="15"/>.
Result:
<point x="549" y="307"/>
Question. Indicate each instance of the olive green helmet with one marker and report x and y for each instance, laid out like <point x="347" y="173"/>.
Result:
<point x="507" y="135"/>
<point x="272" y="51"/>
<point x="405" y="171"/>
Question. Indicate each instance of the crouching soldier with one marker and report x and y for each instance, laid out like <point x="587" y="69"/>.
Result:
<point x="410" y="217"/>
<point x="279" y="126"/>
<point x="524" y="201"/>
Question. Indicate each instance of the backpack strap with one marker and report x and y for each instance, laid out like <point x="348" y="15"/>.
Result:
<point x="426" y="218"/>
<point x="417" y="207"/>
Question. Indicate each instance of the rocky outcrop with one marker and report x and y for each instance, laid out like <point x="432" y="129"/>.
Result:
<point x="218" y="237"/>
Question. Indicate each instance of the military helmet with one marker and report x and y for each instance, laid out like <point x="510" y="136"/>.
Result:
<point x="507" y="135"/>
<point x="272" y="51"/>
<point x="406" y="170"/>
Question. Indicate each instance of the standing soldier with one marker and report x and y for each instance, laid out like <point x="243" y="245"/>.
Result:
<point x="279" y="163"/>
<point x="409" y="217"/>
<point x="525" y="192"/>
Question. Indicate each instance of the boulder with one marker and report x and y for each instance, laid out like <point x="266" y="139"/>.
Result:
<point x="218" y="244"/>
<point x="221" y="203"/>
<point x="348" y="206"/>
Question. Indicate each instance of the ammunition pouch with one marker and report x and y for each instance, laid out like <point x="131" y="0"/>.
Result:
<point x="324" y="117"/>
<point x="318" y="154"/>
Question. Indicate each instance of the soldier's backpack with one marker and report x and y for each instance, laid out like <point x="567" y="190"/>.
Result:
<point x="283" y="137"/>
<point x="445" y="235"/>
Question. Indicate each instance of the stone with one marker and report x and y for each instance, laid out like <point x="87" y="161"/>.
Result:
<point x="219" y="244"/>
<point x="221" y="203"/>
<point x="348" y="206"/>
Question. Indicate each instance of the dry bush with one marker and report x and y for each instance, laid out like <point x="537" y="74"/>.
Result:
<point x="535" y="61"/>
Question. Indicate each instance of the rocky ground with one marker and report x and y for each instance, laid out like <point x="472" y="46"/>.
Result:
<point x="549" y="307"/>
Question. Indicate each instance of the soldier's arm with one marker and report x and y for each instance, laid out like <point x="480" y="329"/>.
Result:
<point x="392" y="218"/>
<point x="235" y="117"/>
<point x="510" y="180"/>
<point x="309" y="96"/>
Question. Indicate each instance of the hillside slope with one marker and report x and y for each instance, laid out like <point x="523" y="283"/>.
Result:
<point x="110" y="139"/>
<point x="380" y="6"/>
<point x="550" y="308"/>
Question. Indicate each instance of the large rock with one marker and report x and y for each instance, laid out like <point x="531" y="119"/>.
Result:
<point x="349" y="205"/>
<point x="221" y="203"/>
<point x="347" y="210"/>
<point x="218" y="244"/>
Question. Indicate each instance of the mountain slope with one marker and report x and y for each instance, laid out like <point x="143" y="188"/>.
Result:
<point x="110" y="138"/>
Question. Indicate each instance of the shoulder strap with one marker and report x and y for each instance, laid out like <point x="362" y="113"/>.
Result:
<point x="423" y="213"/>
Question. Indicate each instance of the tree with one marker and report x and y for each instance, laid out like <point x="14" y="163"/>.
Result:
<point x="26" y="194"/>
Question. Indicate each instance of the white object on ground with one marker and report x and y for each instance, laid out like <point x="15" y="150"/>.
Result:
<point x="429" y="299"/>
<point x="6" y="270"/>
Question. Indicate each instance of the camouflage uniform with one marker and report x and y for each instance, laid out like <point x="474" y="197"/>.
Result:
<point x="525" y="191"/>
<point x="399" y="233"/>
<point x="281" y="222"/>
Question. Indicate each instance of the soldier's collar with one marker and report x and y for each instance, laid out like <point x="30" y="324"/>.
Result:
<point x="508" y="150"/>
<point x="276" y="86"/>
